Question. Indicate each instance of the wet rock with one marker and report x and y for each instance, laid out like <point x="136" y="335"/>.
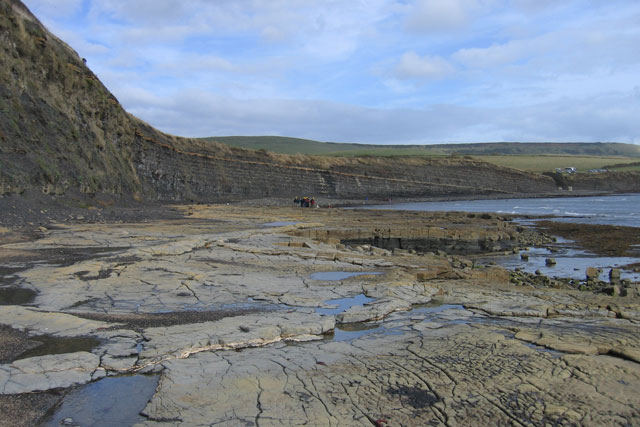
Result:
<point x="593" y="273"/>
<point x="493" y="274"/>
<point x="614" y="275"/>
<point x="47" y="372"/>
<point x="43" y="322"/>
<point x="550" y="261"/>
<point x="257" y="330"/>
<point x="460" y="364"/>
<point x="524" y="256"/>
<point x="613" y="291"/>
<point x="372" y="311"/>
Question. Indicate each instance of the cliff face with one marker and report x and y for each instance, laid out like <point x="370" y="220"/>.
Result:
<point x="174" y="173"/>
<point x="62" y="130"/>
<point x="609" y="182"/>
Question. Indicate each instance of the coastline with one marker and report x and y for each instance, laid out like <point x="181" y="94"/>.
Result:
<point x="427" y="308"/>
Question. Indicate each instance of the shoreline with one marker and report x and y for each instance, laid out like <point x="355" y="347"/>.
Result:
<point x="34" y="210"/>
<point x="356" y="203"/>
<point x="423" y="306"/>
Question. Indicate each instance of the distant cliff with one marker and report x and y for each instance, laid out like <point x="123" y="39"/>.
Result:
<point x="61" y="130"/>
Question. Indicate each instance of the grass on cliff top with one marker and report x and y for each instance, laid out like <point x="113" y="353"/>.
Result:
<point x="550" y="163"/>
<point x="287" y="145"/>
<point x="283" y="145"/>
<point x="528" y="157"/>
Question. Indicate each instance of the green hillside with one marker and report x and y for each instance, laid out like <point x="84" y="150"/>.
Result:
<point x="286" y="145"/>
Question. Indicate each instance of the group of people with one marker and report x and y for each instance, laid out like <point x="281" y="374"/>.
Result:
<point x="305" y="202"/>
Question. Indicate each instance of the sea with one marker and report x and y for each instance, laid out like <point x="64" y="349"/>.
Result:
<point x="622" y="210"/>
<point x="609" y="210"/>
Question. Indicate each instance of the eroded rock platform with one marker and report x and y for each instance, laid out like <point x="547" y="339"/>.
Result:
<point x="226" y="307"/>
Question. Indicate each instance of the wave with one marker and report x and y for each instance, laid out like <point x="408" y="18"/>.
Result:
<point x="569" y="213"/>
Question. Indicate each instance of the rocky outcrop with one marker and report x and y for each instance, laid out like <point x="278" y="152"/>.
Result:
<point x="429" y="340"/>
<point x="171" y="173"/>
<point x="610" y="181"/>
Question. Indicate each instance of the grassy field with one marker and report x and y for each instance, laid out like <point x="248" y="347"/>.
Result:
<point x="550" y="163"/>
<point x="630" y="168"/>
<point x="425" y="151"/>
<point x="284" y="145"/>
<point x="532" y="157"/>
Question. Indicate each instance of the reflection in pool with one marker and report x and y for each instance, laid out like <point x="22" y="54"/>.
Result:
<point x="112" y="401"/>
<point x="343" y="304"/>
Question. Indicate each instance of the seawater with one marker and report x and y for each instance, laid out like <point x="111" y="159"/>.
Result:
<point x="609" y="210"/>
<point x="621" y="210"/>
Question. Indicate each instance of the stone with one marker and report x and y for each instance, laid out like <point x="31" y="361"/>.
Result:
<point x="48" y="372"/>
<point x="373" y="311"/>
<point x="593" y="273"/>
<point x="628" y="353"/>
<point x="614" y="275"/>
<point x="524" y="256"/>
<point x="493" y="274"/>
<point x="550" y="261"/>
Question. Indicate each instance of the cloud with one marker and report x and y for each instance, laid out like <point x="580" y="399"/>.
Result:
<point x="500" y="54"/>
<point x="56" y="8"/>
<point x="431" y="16"/>
<point x="414" y="66"/>
<point x="200" y="113"/>
<point x="383" y="71"/>
<point x="434" y="15"/>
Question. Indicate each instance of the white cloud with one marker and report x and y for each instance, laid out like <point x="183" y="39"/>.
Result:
<point x="500" y="54"/>
<point x="437" y="15"/>
<point x="341" y="70"/>
<point x="414" y="66"/>
<point x="200" y="113"/>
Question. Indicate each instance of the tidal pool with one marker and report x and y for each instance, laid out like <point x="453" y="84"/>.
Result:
<point x="279" y="223"/>
<point x="351" y="331"/>
<point x="570" y="263"/>
<point x="343" y="304"/>
<point x="111" y="401"/>
<point x="16" y="296"/>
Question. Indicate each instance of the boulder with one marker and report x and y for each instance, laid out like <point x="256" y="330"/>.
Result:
<point x="593" y="273"/>
<point x="493" y="274"/>
<point x="614" y="275"/>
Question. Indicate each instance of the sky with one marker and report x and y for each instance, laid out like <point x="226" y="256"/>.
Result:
<point x="366" y="71"/>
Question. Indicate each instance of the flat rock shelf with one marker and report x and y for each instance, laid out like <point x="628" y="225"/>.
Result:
<point x="210" y="317"/>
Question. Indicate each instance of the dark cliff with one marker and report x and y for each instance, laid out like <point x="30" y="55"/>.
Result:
<point x="61" y="130"/>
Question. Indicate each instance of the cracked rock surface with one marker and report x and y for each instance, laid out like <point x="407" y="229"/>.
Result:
<point x="231" y="316"/>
